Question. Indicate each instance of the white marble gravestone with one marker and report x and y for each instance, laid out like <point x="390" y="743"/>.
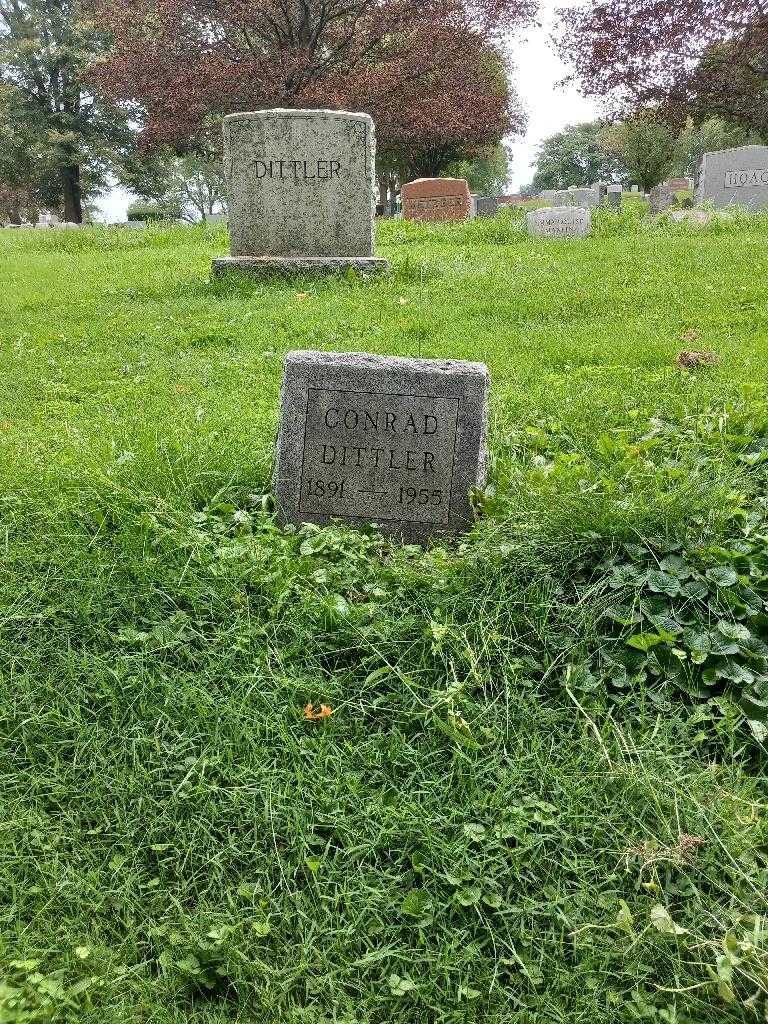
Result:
<point x="559" y="222"/>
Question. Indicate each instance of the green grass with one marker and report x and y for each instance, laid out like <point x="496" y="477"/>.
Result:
<point x="488" y="824"/>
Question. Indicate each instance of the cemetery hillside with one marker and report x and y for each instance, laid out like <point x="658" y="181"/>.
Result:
<point x="258" y="769"/>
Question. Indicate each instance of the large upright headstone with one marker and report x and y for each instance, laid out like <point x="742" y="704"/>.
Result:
<point x="573" y="196"/>
<point x="300" y="189"/>
<point x="734" y="177"/>
<point x="436" y="199"/>
<point x="398" y="442"/>
<point x="559" y="222"/>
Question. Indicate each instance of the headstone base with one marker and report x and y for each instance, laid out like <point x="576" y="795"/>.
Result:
<point x="290" y="266"/>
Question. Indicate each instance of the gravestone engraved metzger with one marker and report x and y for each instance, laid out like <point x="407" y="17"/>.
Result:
<point x="300" y="187"/>
<point x="381" y="439"/>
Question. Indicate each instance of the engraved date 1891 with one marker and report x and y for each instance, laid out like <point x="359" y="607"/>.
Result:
<point x="325" y="488"/>
<point x="420" y="496"/>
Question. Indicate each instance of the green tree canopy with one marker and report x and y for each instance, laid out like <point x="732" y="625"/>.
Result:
<point x="45" y="48"/>
<point x="645" y="144"/>
<point x="575" y="156"/>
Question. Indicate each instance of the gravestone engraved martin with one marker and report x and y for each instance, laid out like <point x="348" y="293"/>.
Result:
<point x="300" y="187"/>
<point x="559" y="222"/>
<point x="381" y="439"/>
<point x="734" y="177"/>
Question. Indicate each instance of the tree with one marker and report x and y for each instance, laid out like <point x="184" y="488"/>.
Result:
<point x="430" y="74"/>
<point x="192" y="183"/>
<point x="707" y="137"/>
<point x="702" y="57"/>
<point x="645" y="144"/>
<point x="44" y="47"/>
<point x="487" y="173"/>
<point x="576" y="157"/>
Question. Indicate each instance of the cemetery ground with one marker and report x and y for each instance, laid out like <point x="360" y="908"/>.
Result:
<point x="540" y="792"/>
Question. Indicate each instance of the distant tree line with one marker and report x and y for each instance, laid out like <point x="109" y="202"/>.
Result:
<point x="644" y="149"/>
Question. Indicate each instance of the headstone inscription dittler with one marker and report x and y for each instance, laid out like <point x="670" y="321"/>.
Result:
<point x="734" y="177"/>
<point x="559" y="222"/>
<point x="300" y="189"/>
<point x="378" y="439"/>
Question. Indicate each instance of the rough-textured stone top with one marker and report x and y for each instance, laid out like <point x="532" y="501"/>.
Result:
<point x="436" y="199"/>
<point x="734" y="177"/>
<point x="300" y="183"/>
<point x="364" y="438"/>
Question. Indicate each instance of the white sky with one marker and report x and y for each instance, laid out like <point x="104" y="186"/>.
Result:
<point x="537" y="72"/>
<point x="550" y="107"/>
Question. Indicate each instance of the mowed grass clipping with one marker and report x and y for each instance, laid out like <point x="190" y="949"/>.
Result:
<point x="495" y="823"/>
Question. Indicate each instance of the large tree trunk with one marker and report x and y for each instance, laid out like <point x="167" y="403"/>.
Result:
<point x="73" y="200"/>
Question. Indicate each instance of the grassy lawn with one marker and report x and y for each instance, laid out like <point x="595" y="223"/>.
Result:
<point x="541" y="794"/>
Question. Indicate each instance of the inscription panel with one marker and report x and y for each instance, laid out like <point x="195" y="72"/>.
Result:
<point x="559" y="222"/>
<point x="383" y="457"/>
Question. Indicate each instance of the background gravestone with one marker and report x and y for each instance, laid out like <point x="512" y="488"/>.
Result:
<point x="586" y="197"/>
<point x="734" y="177"/>
<point x="436" y="199"/>
<point x="613" y="196"/>
<point x="559" y="222"/>
<point x="300" y="189"/>
<point x="398" y="442"/>
<point x="486" y="206"/>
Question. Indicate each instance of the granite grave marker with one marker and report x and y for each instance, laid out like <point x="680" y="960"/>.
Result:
<point x="734" y="177"/>
<point x="436" y="199"/>
<point x="379" y="439"/>
<point x="300" y="189"/>
<point x="559" y="222"/>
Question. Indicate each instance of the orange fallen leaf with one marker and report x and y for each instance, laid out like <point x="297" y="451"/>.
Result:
<point x="315" y="716"/>
<point x="302" y="295"/>
<point x="691" y="335"/>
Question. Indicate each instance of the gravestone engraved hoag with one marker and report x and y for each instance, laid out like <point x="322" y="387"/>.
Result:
<point x="378" y="439"/>
<point x="734" y="177"/>
<point x="559" y="222"/>
<point x="300" y="189"/>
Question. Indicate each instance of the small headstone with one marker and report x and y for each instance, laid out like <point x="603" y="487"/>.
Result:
<point x="559" y="222"/>
<point x="614" y="197"/>
<point x="397" y="442"/>
<point x="661" y="198"/>
<point x="436" y="199"/>
<point x="486" y="206"/>
<point x="679" y="184"/>
<point x="734" y="177"/>
<point x="301" y="192"/>
<point x="635" y="188"/>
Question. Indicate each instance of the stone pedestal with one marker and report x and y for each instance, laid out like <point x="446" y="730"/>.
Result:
<point x="300" y="192"/>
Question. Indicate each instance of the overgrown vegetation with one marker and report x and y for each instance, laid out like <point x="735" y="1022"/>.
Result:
<point x="540" y="794"/>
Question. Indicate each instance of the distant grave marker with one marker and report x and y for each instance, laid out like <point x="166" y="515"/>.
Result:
<point x="364" y="438"/>
<point x="559" y="222"/>
<point x="436" y="199"/>
<point x="300" y="192"/>
<point x="734" y="177"/>
<point x="486" y="206"/>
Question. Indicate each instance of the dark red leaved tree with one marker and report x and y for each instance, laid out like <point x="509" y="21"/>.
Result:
<point x="707" y="56"/>
<point x="430" y="73"/>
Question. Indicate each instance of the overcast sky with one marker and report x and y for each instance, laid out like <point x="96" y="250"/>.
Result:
<point x="549" y="107"/>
